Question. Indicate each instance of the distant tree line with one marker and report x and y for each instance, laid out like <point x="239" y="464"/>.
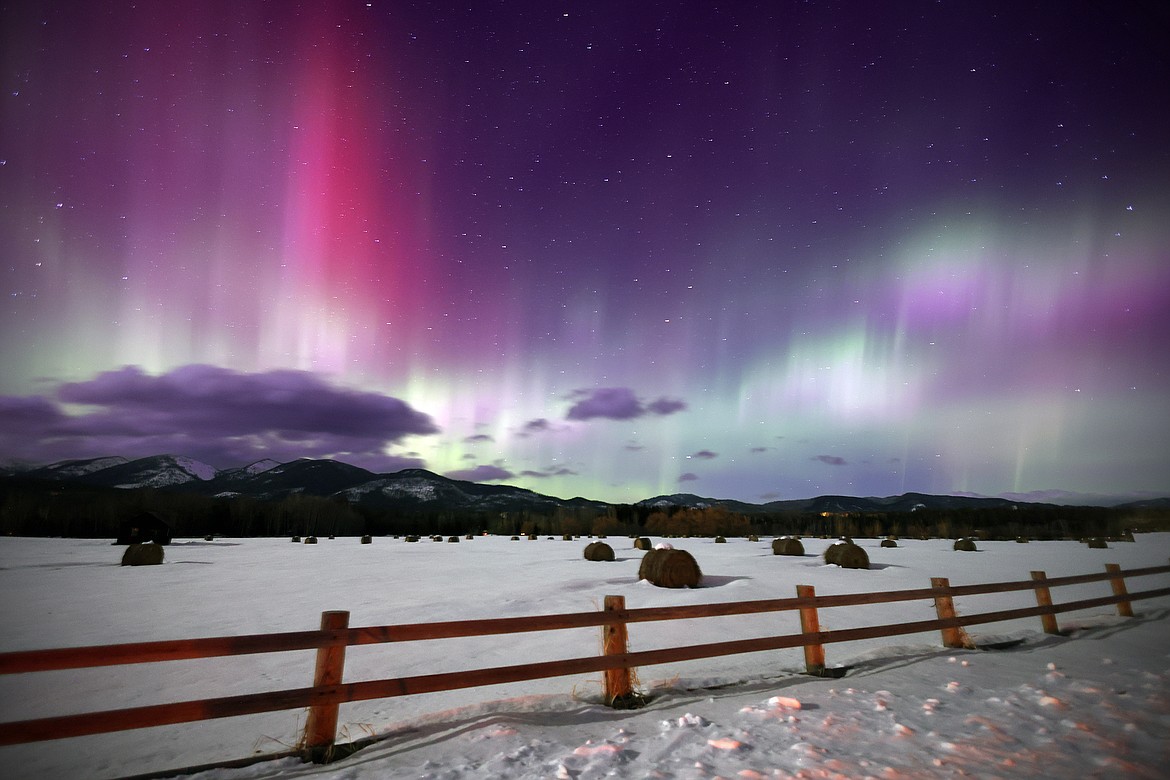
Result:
<point x="37" y="508"/>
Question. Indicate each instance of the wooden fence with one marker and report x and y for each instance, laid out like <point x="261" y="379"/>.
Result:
<point x="616" y="661"/>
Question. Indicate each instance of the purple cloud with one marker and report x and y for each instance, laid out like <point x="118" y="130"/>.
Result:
<point x="689" y="476"/>
<point x="705" y="455"/>
<point x="481" y="473"/>
<point x="478" y="438"/>
<point x="551" y="471"/>
<point x="29" y="416"/>
<point x="617" y="403"/>
<point x="759" y="449"/>
<point x="831" y="460"/>
<point x="213" y="414"/>
<point x="665" y="406"/>
<point x="220" y="401"/>
<point x="539" y="425"/>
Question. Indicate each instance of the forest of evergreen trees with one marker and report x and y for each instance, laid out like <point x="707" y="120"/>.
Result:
<point x="35" y="508"/>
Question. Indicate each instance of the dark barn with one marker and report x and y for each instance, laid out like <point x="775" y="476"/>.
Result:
<point x="142" y="528"/>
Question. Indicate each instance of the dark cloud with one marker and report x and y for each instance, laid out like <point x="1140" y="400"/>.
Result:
<point x="759" y="449"/>
<point x="539" y="425"/>
<point x="617" y="403"/>
<point x="831" y="460"/>
<point x="478" y="439"/>
<point x="633" y="447"/>
<point x="213" y="414"/>
<point x="705" y="455"/>
<point x="689" y="476"/>
<point x="29" y="416"/>
<point x="551" y="471"/>
<point x="665" y="406"/>
<point x="481" y="473"/>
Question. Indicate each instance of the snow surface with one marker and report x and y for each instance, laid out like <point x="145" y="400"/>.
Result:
<point x="1094" y="703"/>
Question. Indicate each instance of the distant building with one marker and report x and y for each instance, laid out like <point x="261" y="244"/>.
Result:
<point x="144" y="527"/>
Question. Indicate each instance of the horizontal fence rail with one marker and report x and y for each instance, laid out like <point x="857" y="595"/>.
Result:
<point x="328" y="691"/>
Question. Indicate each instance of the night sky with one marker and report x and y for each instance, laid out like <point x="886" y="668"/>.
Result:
<point x="609" y="249"/>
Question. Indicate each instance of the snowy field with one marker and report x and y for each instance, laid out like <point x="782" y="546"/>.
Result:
<point x="1094" y="703"/>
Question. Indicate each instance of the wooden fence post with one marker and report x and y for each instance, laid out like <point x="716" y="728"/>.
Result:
<point x="944" y="607"/>
<point x="1124" y="608"/>
<point x="615" y="640"/>
<point x="814" y="652"/>
<point x="321" y="725"/>
<point x="1044" y="599"/>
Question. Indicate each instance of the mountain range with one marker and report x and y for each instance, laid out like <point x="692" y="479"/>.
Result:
<point x="419" y="488"/>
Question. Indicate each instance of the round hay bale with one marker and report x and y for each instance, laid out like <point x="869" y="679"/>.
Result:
<point x="670" y="569"/>
<point x="753" y="538"/>
<point x="411" y="538"/>
<point x="367" y="539"/>
<point x="295" y="540"/>
<point x="1097" y="543"/>
<point x="149" y="554"/>
<point x="787" y="546"/>
<point x="853" y="556"/>
<point x="833" y="552"/>
<point x="332" y="537"/>
<point x="515" y="539"/>
<point x="598" y="551"/>
<point x="566" y="537"/>
<point x="642" y="543"/>
<point x="889" y="543"/>
<point x="310" y="540"/>
<point x="966" y="544"/>
<point x="209" y="538"/>
<point x="452" y="538"/>
<point x="469" y="536"/>
<point x="720" y="540"/>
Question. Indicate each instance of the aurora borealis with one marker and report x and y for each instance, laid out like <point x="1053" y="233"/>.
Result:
<point x="764" y="250"/>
